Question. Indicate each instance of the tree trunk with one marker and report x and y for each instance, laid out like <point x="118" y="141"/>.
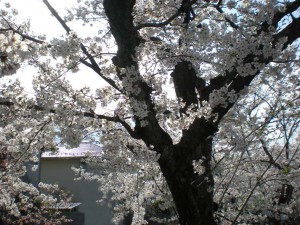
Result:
<point x="192" y="193"/>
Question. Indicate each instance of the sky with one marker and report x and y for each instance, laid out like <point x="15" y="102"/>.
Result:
<point x="36" y="11"/>
<point x="43" y="23"/>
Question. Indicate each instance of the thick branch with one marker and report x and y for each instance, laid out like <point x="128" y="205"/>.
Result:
<point x="290" y="8"/>
<point x="236" y="82"/>
<point x="291" y="32"/>
<point x="119" y="13"/>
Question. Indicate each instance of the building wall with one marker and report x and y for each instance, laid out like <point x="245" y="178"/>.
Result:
<point x="32" y="177"/>
<point x="58" y="171"/>
<point x="77" y="217"/>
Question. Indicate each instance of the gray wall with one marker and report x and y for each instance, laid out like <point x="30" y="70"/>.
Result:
<point x="77" y="217"/>
<point x="32" y="177"/>
<point x="58" y="171"/>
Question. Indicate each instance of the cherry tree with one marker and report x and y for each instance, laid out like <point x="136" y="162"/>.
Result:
<point x="22" y="137"/>
<point x="206" y="105"/>
<point x="258" y="178"/>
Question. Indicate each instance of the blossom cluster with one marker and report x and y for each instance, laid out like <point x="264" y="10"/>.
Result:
<point x="12" y="52"/>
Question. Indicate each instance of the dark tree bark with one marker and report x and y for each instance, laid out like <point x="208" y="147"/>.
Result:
<point x="192" y="193"/>
<point x="286" y="194"/>
<point x="184" y="79"/>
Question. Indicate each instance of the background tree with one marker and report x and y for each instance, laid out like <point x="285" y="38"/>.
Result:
<point x="211" y="52"/>
<point x="22" y="139"/>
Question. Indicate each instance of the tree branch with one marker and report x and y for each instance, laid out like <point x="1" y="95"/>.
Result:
<point x="185" y="5"/>
<point x="291" y="32"/>
<point x="220" y="10"/>
<point x="161" y="24"/>
<point x="290" y="8"/>
<point x="236" y="82"/>
<point x="120" y="18"/>
<point x="93" y="65"/>
<point x="91" y="114"/>
<point x="271" y="159"/>
<point x="24" y="36"/>
<point x="55" y="14"/>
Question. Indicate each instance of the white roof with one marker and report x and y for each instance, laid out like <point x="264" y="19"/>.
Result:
<point x="65" y="205"/>
<point x="83" y="150"/>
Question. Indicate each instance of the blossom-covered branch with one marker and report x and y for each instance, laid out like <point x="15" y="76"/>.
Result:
<point x="93" y="65"/>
